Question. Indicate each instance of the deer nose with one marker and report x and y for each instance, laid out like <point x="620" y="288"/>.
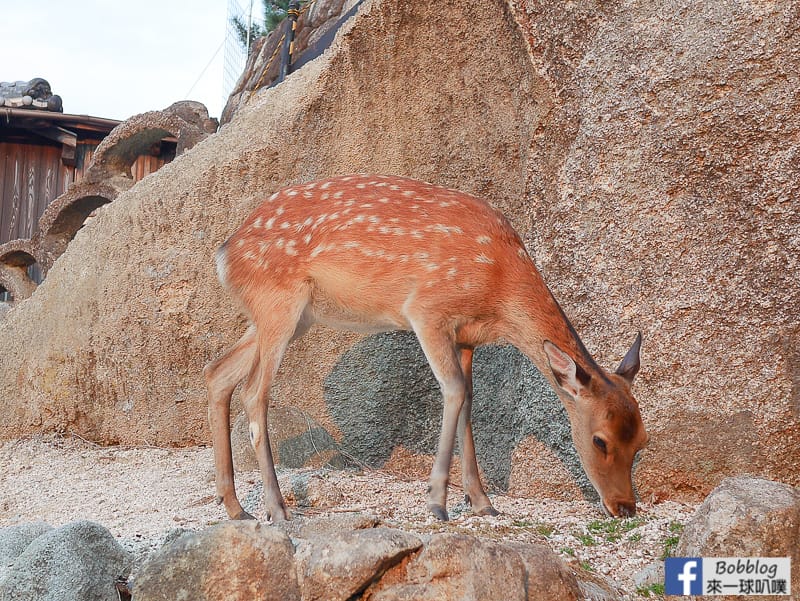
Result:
<point x="626" y="509"/>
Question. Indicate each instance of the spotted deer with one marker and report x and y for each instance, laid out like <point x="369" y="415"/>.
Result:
<point x="375" y="253"/>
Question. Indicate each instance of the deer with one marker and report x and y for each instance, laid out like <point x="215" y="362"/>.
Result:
<point x="377" y="253"/>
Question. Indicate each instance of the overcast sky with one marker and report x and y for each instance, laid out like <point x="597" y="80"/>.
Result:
<point x="114" y="58"/>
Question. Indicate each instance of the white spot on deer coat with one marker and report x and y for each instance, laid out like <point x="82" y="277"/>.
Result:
<point x="481" y="258"/>
<point x="255" y="434"/>
<point x="484" y="240"/>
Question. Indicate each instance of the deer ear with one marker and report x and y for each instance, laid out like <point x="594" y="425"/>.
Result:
<point x="629" y="366"/>
<point x="570" y="376"/>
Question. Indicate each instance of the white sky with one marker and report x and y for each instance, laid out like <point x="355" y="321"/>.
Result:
<point x="115" y="59"/>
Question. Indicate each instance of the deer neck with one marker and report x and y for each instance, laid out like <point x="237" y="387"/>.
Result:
<point x="535" y="316"/>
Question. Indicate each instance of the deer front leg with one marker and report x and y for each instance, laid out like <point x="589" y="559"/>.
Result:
<point x="471" y="479"/>
<point x="222" y="376"/>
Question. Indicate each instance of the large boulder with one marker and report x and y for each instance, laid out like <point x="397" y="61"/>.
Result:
<point x="664" y="189"/>
<point x="340" y="566"/>
<point x="642" y="149"/>
<point x="78" y="562"/>
<point x="746" y="517"/>
<point x="456" y="566"/>
<point x="235" y="561"/>
<point x="347" y="557"/>
<point x="15" y="539"/>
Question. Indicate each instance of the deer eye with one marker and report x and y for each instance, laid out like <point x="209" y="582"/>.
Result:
<point x="600" y="444"/>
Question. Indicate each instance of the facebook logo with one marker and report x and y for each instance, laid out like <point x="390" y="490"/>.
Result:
<point x="683" y="576"/>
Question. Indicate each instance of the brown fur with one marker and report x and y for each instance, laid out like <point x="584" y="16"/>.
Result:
<point x="375" y="253"/>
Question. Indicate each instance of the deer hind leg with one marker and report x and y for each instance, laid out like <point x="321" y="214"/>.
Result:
<point x="441" y="353"/>
<point x="471" y="479"/>
<point x="274" y="335"/>
<point x="222" y="376"/>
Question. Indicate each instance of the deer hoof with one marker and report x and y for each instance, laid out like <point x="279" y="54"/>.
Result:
<point x="439" y="512"/>
<point x="488" y="510"/>
<point x="279" y="515"/>
<point x="243" y="515"/>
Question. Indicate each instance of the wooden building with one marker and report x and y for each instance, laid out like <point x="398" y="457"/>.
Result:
<point x="42" y="153"/>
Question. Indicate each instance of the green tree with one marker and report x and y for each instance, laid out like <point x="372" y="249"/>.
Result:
<point x="274" y="14"/>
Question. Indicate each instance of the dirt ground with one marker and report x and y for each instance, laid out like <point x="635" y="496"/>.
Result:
<point x="142" y="493"/>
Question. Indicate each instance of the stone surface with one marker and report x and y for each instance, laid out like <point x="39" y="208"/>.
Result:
<point x="455" y="566"/>
<point x="665" y="187"/>
<point x="338" y="566"/>
<point x="382" y="394"/>
<point x="77" y="562"/>
<point x="231" y="561"/>
<point x="108" y="174"/>
<point x="652" y="573"/>
<point x="746" y="517"/>
<point x="547" y="576"/>
<point x="328" y="525"/>
<point x="15" y="539"/>
<point x="644" y="151"/>
<point x="296" y="441"/>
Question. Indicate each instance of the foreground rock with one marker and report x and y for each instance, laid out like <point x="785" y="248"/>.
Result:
<point x="335" y="568"/>
<point x="330" y="558"/>
<point x="77" y="562"/>
<point x="746" y="517"/>
<point x="15" y="539"/>
<point x="235" y="561"/>
<point x="455" y="566"/>
<point x="342" y="557"/>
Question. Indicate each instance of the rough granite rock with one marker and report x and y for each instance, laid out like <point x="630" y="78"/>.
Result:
<point x="665" y="180"/>
<point x="78" y="562"/>
<point x="455" y="566"/>
<point x="336" y="567"/>
<point x="548" y="578"/>
<point x="234" y="561"/>
<point x="746" y="517"/>
<point x="644" y="150"/>
<point x="15" y="539"/>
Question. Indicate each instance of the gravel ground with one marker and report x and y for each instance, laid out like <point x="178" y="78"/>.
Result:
<point x="142" y="494"/>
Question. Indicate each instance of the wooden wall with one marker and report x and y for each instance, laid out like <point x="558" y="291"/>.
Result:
<point x="32" y="175"/>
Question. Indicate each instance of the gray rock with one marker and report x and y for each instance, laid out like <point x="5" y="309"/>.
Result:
<point x="15" y="539"/>
<point x="232" y="561"/>
<point x="77" y="562"/>
<point x="746" y="517"/>
<point x="382" y="394"/>
<point x="337" y="567"/>
<point x="296" y="440"/>
<point x="308" y="488"/>
<point x="652" y="573"/>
